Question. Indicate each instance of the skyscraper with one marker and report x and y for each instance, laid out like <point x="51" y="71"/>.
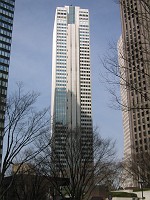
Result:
<point x="134" y="60"/>
<point x="71" y="77"/>
<point x="6" y="26"/>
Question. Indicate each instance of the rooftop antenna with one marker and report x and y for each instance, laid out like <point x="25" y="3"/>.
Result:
<point x="71" y="3"/>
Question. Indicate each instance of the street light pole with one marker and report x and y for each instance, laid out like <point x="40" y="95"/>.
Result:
<point x="141" y="186"/>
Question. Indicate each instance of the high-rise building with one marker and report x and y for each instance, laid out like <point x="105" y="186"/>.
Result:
<point x="6" y="26"/>
<point x="134" y="61"/>
<point x="71" y="75"/>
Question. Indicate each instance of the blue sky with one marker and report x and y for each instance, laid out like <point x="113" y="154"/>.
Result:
<point x="32" y="48"/>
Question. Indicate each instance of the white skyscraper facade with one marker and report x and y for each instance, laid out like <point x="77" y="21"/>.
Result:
<point x="124" y="99"/>
<point x="71" y="76"/>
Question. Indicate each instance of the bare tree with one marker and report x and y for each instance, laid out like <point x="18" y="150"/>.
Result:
<point x="26" y="186"/>
<point x="86" y="166"/>
<point x="133" y="52"/>
<point x="23" y="125"/>
<point x="138" y="167"/>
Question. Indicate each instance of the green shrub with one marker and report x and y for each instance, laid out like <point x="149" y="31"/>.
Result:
<point x="123" y="194"/>
<point x="138" y="189"/>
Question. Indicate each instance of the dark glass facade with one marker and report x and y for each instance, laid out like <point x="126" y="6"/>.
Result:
<point x="6" y="26"/>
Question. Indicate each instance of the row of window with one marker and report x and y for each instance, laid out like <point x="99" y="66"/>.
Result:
<point x="3" y="25"/>
<point x="61" y="25"/>
<point x="61" y="62"/>
<point x="60" y="89"/>
<point x="85" y="86"/>
<point x="8" y="7"/>
<point x="5" y="39"/>
<point x="84" y="34"/>
<point x="82" y="39"/>
<point x="1" y="125"/>
<point x="61" y="13"/>
<point x="2" y="108"/>
<point x="84" y="65"/>
<point x="60" y="79"/>
<point x="4" y="68"/>
<point x="146" y="140"/>
<point x="62" y="20"/>
<point x="4" y="53"/>
<point x="87" y="120"/>
<point x="83" y="14"/>
<point x="61" y="59"/>
<point x="59" y="36"/>
<point x="61" y="73"/>
<point x="4" y="12"/>
<point x="3" y="83"/>
<point x="85" y="83"/>
<point x="4" y="92"/>
<point x="139" y="128"/>
<point x="84" y="51"/>
<point x="142" y="113"/>
<point x="86" y="93"/>
<point x="144" y="133"/>
<point x="5" y="61"/>
<point x="85" y="57"/>
<point x="86" y="116"/>
<point x="85" y="97"/>
<point x="12" y="2"/>
<point x="64" y="85"/>
<point x="84" y="29"/>
<point x="85" y="69"/>
<point x="4" y="32"/>
<point x="83" y="19"/>
<point x="5" y="19"/>
<point x="85" y="61"/>
<point x="85" y="100"/>
<point x="61" y="32"/>
<point x="84" y="48"/>
<point x="87" y="112"/>
<point x="2" y="116"/>
<point x="61" y="28"/>
<point x="61" y="42"/>
<point x="61" y="54"/>
<point x="83" y="74"/>
<point x="5" y="46"/>
<point x="4" y="76"/>
<point x="86" y="124"/>
<point x="61" y="47"/>
<point x="60" y="69"/>
<point x="84" y="25"/>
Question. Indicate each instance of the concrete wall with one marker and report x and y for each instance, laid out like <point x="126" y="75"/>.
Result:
<point x="146" y="194"/>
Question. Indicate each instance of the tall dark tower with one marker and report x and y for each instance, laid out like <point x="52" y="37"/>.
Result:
<point x="6" y="26"/>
